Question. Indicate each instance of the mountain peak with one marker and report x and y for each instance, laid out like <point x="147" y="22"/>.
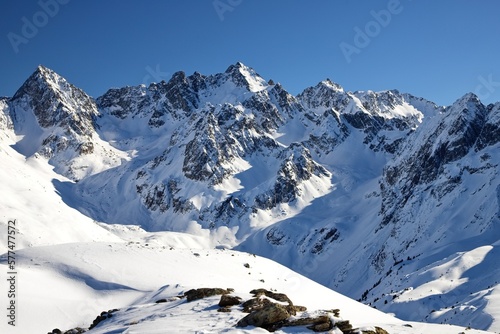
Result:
<point x="332" y="85"/>
<point x="41" y="77"/>
<point x="55" y="101"/>
<point x="41" y="68"/>
<point x="47" y="75"/>
<point x="245" y="76"/>
<point x="237" y="66"/>
<point x="469" y="101"/>
<point x="468" y="97"/>
<point x="178" y="77"/>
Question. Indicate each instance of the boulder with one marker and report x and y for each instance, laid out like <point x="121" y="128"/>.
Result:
<point x="227" y="300"/>
<point x="271" y="317"/>
<point x="293" y="309"/>
<point x="195" y="294"/>
<point x="344" y="326"/>
<point x="281" y="297"/>
<point x="255" y="304"/>
<point x="224" y="309"/>
<point x="378" y="330"/>
<point x="308" y="321"/>
<point x="103" y="316"/>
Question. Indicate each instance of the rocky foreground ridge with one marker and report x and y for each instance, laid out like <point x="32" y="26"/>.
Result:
<point x="267" y="309"/>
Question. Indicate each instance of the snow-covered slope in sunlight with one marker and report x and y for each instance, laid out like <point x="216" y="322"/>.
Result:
<point x="461" y="288"/>
<point x="30" y="197"/>
<point x="6" y="127"/>
<point x="67" y="286"/>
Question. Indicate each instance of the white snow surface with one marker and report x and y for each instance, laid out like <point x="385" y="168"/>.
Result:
<point x="68" y="285"/>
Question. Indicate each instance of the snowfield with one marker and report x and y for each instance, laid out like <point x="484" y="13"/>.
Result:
<point x="68" y="285"/>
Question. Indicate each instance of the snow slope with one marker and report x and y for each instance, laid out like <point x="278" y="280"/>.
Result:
<point x="30" y="197"/>
<point x="68" y="285"/>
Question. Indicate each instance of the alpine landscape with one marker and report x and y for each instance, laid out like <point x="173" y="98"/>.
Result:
<point x="224" y="204"/>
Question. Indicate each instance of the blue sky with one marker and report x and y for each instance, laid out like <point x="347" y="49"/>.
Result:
<point x="439" y="50"/>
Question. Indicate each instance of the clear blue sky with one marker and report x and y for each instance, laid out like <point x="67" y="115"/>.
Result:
<point x="435" y="49"/>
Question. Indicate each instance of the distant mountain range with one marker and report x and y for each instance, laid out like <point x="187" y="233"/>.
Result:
<point x="385" y="197"/>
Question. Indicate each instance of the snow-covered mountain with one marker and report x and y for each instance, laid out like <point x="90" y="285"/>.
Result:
<point x="57" y="121"/>
<point x="382" y="196"/>
<point x="416" y="235"/>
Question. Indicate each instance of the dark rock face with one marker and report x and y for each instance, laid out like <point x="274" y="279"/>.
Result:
<point x="60" y="121"/>
<point x="207" y="152"/>
<point x="226" y="300"/>
<point x="50" y="106"/>
<point x="180" y="93"/>
<point x="5" y="118"/>
<point x="490" y="132"/>
<point x="297" y="166"/>
<point x="276" y="237"/>
<point x="57" y="104"/>
<point x="344" y="113"/>
<point x="122" y="102"/>
<point x="236" y="74"/>
<point x="326" y="94"/>
<point x="195" y="294"/>
<point x="461" y="127"/>
<point x="177" y="98"/>
<point x="270" y="317"/>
